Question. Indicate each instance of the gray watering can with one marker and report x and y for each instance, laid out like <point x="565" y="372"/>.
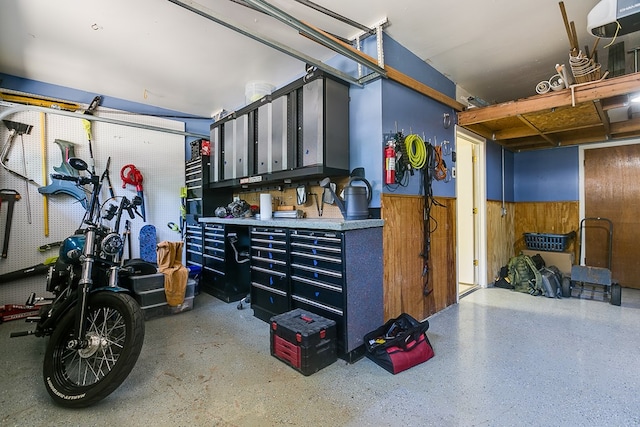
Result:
<point x="356" y="197"/>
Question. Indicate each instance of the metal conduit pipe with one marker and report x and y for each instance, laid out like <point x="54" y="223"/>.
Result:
<point x="315" y="35"/>
<point x="18" y="108"/>
<point x="205" y="13"/>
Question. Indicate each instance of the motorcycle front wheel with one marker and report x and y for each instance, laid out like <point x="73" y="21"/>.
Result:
<point x="77" y="378"/>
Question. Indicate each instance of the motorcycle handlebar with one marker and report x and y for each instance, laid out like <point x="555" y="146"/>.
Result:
<point x="82" y="180"/>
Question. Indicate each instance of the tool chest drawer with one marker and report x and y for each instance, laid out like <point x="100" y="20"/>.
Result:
<point x="318" y="291"/>
<point x="329" y="276"/>
<point x="270" y="279"/>
<point x="310" y="241"/>
<point x="267" y="302"/>
<point x="269" y="271"/>
<point x="193" y="244"/>
<point x="193" y="178"/>
<point x="269" y="245"/>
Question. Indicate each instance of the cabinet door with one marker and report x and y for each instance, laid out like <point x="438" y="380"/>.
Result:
<point x="312" y="123"/>
<point x="241" y="144"/>
<point x="216" y="155"/>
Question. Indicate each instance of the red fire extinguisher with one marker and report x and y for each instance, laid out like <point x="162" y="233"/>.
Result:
<point x="390" y="164"/>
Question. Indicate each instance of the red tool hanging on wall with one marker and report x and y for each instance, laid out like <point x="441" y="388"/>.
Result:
<point x="132" y="175"/>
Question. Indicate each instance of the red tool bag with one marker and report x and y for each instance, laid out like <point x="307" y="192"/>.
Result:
<point x="399" y="344"/>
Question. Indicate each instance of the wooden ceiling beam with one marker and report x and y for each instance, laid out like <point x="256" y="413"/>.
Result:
<point x="531" y="125"/>
<point x="607" y="88"/>
<point x="629" y="126"/>
<point x="604" y="118"/>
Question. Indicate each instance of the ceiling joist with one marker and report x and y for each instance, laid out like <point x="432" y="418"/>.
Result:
<point x="558" y="118"/>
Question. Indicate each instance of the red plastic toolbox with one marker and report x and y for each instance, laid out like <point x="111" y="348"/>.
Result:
<point x="303" y="340"/>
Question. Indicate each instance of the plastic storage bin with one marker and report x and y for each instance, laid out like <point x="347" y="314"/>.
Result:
<point x="548" y="242"/>
<point x="303" y="340"/>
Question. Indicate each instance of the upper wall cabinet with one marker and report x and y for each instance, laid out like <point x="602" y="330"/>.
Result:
<point x="299" y="132"/>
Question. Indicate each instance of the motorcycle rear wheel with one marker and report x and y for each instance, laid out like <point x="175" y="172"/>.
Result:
<point x="115" y="331"/>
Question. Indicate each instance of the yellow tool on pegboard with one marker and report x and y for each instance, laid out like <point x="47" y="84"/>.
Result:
<point x="39" y="101"/>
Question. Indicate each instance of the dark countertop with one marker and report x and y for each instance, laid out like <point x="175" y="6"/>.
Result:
<point x="334" y="224"/>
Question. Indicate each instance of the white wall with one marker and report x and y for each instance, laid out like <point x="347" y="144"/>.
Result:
<point x="159" y="156"/>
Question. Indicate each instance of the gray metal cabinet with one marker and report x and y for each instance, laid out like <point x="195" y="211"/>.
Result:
<point x="299" y="132"/>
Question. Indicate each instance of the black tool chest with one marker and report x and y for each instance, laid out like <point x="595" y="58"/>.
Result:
<point x="335" y="274"/>
<point x="269" y="272"/>
<point x="225" y="273"/>
<point x="194" y="176"/>
<point x="317" y="279"/>
<point x="193" y="245"/>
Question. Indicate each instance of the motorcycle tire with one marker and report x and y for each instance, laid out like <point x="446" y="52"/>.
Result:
<point x="115" y="330"/>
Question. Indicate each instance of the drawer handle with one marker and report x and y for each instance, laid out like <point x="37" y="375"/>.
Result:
<point x="270" y="261"/>
<point x="313" y="247"/>
<point x="268" y="289"/>
<point x="319" y="257"/>
<point x="264" y="270"/>
<point x="315" y="304"/>
<point x="214" y="270"/>
<point x="336" y="274"/>
<point x="317" y="284"/>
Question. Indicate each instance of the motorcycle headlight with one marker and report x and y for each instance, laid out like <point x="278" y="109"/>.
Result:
<point x="112" y="244"/>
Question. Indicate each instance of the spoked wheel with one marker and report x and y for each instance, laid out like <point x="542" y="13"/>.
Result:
<point x="77" y="378"/>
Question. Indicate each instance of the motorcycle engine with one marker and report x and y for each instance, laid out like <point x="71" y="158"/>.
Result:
<point x="57" y="276"/>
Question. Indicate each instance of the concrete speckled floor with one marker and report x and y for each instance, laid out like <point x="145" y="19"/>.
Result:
<point x="502" y="359"/>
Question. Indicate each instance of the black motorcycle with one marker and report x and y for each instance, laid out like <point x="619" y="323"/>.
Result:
<point x="95" y="325"/>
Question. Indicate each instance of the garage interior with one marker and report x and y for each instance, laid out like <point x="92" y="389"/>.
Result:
<point x="521" y="153"/>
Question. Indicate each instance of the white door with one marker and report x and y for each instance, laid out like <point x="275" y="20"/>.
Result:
<point x="466" y="214"/>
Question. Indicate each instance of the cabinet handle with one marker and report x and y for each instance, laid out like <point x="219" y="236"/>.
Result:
<point x="315" y="304"/>
<point x="268" y="289"/>
<point x="318" y="257"/>
<point x="213" y="257"/>
<point x="264" y="270"/>
<point x="214" y="270"/>
<point x="316" y="247"/>
<point x="317" y="284"/>
<point x="318" y="270"/>
<point x="269" y="261"/>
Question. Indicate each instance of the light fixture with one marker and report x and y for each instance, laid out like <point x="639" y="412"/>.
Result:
<point x="635" y="98"/>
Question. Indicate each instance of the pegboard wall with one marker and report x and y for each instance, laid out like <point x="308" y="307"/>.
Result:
<point x="158" y="155"/>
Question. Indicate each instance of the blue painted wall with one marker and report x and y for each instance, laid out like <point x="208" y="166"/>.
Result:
<point x="546" y="175"/>
<point x="494" y="173"/>
<point x="365" y="129"/>
<point x="384" y="106"/>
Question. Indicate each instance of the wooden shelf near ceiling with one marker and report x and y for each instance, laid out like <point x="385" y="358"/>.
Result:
<point x="566" y="117"/>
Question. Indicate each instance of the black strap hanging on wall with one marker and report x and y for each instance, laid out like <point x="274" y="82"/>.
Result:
<point x="430" y="223"/>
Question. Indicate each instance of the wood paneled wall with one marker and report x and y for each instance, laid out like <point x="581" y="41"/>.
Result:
<point x="505" y="234"/>
<point x="404" y="284"/>
<point x="545" y="217"/>
<point x="500" y="237"/>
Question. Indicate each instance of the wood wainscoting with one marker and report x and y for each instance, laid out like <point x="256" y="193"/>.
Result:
<point x="403" y="245"/>
<point x="545" y="217"/>
<point x="500" y="237"/>
<point x="506" y="233"/>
